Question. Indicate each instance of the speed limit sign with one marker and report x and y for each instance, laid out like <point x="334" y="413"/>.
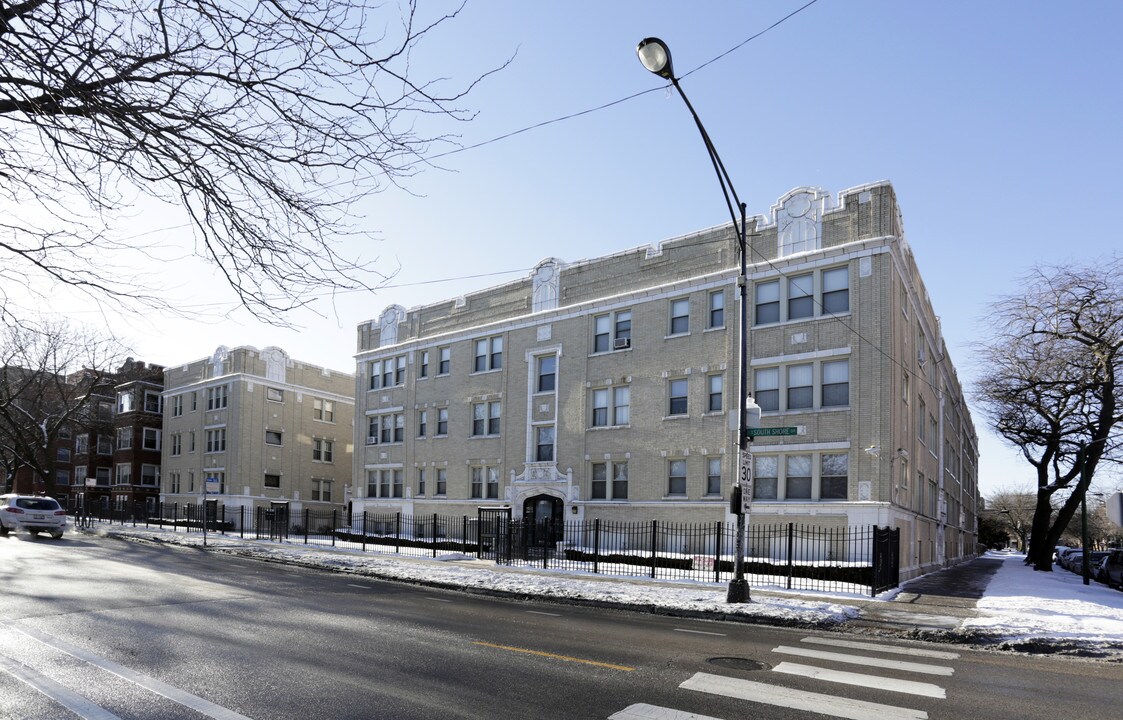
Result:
<point x="745" y="479"/>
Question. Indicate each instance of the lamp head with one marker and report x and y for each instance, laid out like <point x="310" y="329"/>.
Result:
<point x="656" y="57"/>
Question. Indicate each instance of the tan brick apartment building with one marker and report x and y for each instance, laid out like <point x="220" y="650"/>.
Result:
<point x="602" y="388"/>
<point x="269" y="430"/>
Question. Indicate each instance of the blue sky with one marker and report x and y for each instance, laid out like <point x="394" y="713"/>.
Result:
<point x="997" y="122"/>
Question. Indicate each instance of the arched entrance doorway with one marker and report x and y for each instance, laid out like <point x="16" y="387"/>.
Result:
<point x="543" y="519"/>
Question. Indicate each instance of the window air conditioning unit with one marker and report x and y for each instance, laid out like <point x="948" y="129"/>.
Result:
<point x="622" y="343"/>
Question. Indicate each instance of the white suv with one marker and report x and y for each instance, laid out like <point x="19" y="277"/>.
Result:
<point x="33" y="514"/>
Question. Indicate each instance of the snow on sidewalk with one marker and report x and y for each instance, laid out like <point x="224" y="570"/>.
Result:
<point x="1023" y="605"/>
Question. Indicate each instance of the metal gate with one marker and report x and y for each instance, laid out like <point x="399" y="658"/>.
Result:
<point x="495" y="533"/>
<point x="886" y="559"/>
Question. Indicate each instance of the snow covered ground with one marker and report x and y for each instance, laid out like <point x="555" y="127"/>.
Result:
<point x="1019" y="606"/>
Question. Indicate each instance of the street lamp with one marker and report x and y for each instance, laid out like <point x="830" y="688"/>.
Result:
<point x="656" y="58"/>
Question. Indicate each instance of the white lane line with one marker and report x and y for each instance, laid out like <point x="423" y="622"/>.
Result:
<point x="196" y="703"/>
<point x="438" y="599"/>
<point x="72" y="701"/>
<point x="894" y="649"/>
<point x="361" y="587"/>
<point x="870" y="681"/>
<point x="539" y="612"/>
<point x="643" y="711"/>
<point x="698" y="632"/>
<point x="766" y="694"/>
<point x="868" y="661"/>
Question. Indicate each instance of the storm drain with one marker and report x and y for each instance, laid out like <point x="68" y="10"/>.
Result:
<point x="736" y="663"/>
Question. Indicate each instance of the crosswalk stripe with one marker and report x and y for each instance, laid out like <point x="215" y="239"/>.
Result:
<point x="868" y="661"/>
<point x="196" y="703"/>
<point x="79" y="705"/>
<point x="766" y="694"/>
<point x="871" y="681"/>
<point x="892" y="649"/>
<point x="643" y="711"/>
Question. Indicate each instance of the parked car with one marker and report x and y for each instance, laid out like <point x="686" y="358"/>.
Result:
<point x="31" y="513"/>
<point x="1111" y="569"/>
<point x="1074" y="561"/>
<point x="1065" y="555"/>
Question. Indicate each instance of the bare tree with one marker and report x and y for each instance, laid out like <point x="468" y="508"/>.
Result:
<point x="1013" y="511"/>
<point x="264" y="120"/>
<point x="46" y="378"/>
<point x="1051" y="386"/>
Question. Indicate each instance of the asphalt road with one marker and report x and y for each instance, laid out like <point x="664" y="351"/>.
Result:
<point x="102" y="629"/>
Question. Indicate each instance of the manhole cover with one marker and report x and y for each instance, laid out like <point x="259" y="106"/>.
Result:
<point x="736" y="663"/>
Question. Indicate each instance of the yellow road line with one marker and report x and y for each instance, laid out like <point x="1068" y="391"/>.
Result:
<point x="610" y="666"/>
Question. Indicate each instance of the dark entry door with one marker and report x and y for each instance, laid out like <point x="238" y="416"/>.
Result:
<point x="543" y="520"/>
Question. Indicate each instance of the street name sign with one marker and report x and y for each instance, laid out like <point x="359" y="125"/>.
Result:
<point x="771" y="432"/>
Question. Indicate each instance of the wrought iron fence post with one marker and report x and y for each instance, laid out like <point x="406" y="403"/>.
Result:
<point x="596" y="546"/>
<point x="791" y="535"/>
<point x="717" y="550"/>
<point x="464" y="535"/>
<point x="654" y="530"/>
<point x="364" y="529"/>
<point x="398" y="532"/>
<point x="435" y="534"/>
<point x="334" y="526"/>
<point x="875" y="558"/>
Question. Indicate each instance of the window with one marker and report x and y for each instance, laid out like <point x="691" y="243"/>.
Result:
<point x="372" y="483"/>
<point x="150" y="475"/>
<point x="273" y="437"/>
<point x="477" y="483"/>
<point x="920" y="422"/>
<point x="676" y="394"/>
<point x="618" y="413"/>
<point x="321" y="490"/>
<point x="836" y="383"/>
<point x="125" y="438"/>
<point x="422" y="423"/>
<point x="177" y="406"/>
<point x="152" y="402"/>
<point x="82" y="444"/>
<point x="272" y="480"/>
<point x="105" y="411"/>
<point x="388" y="372"/>
<point x="442" y="421"/>
<point x="713" y="476"/>
<point x="767" y="388"/>
<point x="485" y="418"/>
<point x="601" y="489"/>
<point x="322" y="450"/>
<point x="798" y="485"/>
<point x="150" y="438"/>
<point x="717" y="309"/>
<point x="375" y="375"/>
<point x="101" y="475"/>
<point x="836" y="290"/>
<point x="676" y="477"/>
<point x="191" y="441"/>
<point x="767" y="302"/>
<point x="274" y="394"/>
<point x="444" y="361"/>
<point x="612" y="331"/>
<point x="442" y="481"/>
<point x="63" y="454"/>
<point x="766" y="470"/>
<point x="680" y="316"/>
<point x="216" y="440"/>
<point x="173" y="482"/>
<point x="397" y="488"/>
<point x="124" y="474"/>
<point x="547" y="373"/>
<point x="323" y="410"/>
<point x="833" y="478"/>
<point x="716" y="383"/>
<point x="104" y="445"/>
<point x="177" y="444"/>
<point x="400" y="371"/>
<point x="489" y="354"/>
<point x="933" y="434"/>
<point x="62" y="479"/>
<point x="420" y="481"/>
<point x="800" y="390"/>
<point x="544" y="444"/>
<point x="217" y="397"/>
<point x="801" y="296"/>
<point x="423" y="369"/>
<point x="125" y="402"/>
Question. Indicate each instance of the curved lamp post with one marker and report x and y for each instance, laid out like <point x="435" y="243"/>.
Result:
<point x="656" y="58"/>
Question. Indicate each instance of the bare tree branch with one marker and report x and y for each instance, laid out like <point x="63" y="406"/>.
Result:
<point x="263" y="119"/>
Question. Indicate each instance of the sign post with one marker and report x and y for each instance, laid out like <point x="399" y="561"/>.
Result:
<point x="211" y="486"/>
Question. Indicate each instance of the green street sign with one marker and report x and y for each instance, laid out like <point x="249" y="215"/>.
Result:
<point x="771" y="432"/>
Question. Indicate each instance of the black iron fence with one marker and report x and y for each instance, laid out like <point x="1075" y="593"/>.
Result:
<point x="788" y="555"/>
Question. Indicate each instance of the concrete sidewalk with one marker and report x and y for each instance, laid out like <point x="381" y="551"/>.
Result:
<point x="935" y="602"/>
